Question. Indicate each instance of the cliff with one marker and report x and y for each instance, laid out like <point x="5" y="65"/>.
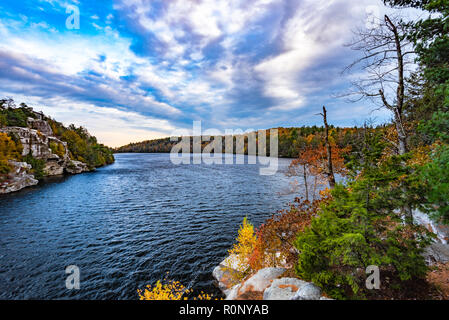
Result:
<point x="32" y="150"/>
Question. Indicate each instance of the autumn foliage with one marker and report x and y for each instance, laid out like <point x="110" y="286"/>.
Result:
<point x="169" y="290"/>
<point x="275" y="238"/>
<point x="9" y="150"/>
<point x="312" y="164"/>
<point x="244" y="248"/>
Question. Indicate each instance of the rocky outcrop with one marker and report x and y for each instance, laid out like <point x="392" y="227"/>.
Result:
<point x="227" y="273"/>
<point x="261" y="280"/>
<point x="75" y="167"/>
<point x="266" y="284"/>
<point x="18" y="178"/>
<point x="40" y="125"/>
<point x="309" y="291"/>
<point x="441" y="231"/>
<point x="38" y="140"/>
<point x="283" y="289"/>
<point x="437" y="253"/>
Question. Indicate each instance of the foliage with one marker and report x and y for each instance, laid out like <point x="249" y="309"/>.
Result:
<point x="173" y="290"/>
<point x="291" y="141"/>
<point x="435" y="175"/>
<point x="169" y="290"/>
<point x="312" y="162"/>
<point x="275" y="238"/>
<point x="437" y="128"/>
<point x="9" y="150"/>
<point x="82" y="146"/>
<point x="246" y="243"/>
<point x="57" y="148"/>
<point x="347" y="237"/>
<point x="37" y="165"/>
<point x="13" y="116"/>
<point x="365" y="224"/>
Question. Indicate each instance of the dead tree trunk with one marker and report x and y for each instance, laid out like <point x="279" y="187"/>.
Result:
<point x="330" y="169"/>
<point x="400" y="93"/>
<point x="304" y="168"/>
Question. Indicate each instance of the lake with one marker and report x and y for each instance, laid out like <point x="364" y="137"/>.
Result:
<point x="128" y="224"/>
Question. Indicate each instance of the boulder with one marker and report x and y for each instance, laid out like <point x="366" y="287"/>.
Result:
<point x="227" y="273"/>
<point x="75" y="167"/>
<point x="18" y="179"/>
<point x="40" y="125"/>
<point x="54" y="168"/>
<point x="233" y="293"/>
<point x="436" y="253"/>
<point x="441" y="231"/>
<point x="261" y="280"/>
<point x="283" y="289"/>
<point x="308" y="292"/>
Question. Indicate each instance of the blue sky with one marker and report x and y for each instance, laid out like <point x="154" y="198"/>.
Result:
<point x="139" y="69"/>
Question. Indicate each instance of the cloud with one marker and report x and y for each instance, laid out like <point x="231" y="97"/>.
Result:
<point x="112" y="126"/>
<point x="231" y="64"/>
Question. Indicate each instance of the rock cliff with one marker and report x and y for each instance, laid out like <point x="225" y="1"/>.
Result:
<point x="18" y="179"/>
<point x="266" y="284"/>
<point x="38" y="141"/>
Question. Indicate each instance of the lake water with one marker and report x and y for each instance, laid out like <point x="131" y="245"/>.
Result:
<point x="128" y="224"/>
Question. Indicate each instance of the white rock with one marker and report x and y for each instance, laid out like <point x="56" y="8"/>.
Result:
<point x="283" y="289"/>
<point x="436" y="253"/>
<point x="225" y="275"/>
<point x="232" y="293"/>
<point x="262" y="279"/>
<point x="308" y="292"/>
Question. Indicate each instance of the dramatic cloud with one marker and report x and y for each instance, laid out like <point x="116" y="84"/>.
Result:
<point x="138" y="69"/>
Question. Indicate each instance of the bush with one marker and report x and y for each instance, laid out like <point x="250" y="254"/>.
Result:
<point x="169" y="290"/>
<point x="9" y="150"/>
<point x="5" y="167"/>
<point x="57" y="149"/>
<point x="85" y="148"/>
<point x="275" y="238"/>
<point x="243" y="249"/>
<point x="346" y="238"/>
<point x="173" y="290"/>
<point x="37" y="165"/>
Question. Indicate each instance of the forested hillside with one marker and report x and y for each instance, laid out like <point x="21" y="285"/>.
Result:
<point x="33" y="146"/>
<point x="291" y="141"/>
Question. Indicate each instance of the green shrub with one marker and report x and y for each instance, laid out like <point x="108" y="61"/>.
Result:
<point x="346" y="238"/>
<point x="57" y="148"/>
<point x="37" y="165"/>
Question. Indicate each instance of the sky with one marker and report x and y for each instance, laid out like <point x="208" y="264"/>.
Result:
<point x="135" y="70"/>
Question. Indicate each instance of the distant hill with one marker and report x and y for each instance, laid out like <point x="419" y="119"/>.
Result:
<point x="291" y="141"/>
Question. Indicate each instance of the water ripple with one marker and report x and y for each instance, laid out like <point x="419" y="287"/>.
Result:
<point x="128" y="224"/>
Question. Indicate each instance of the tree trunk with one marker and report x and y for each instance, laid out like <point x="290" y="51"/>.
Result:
<point x="330" y="172"/>
<point x="398" y="109"/>
<point x="305" y="182"/>
<point x="400" y="93"/>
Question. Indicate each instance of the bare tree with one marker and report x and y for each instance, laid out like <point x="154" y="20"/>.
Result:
<point x="330" y="168"/>
<point x="387" y="60"/>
